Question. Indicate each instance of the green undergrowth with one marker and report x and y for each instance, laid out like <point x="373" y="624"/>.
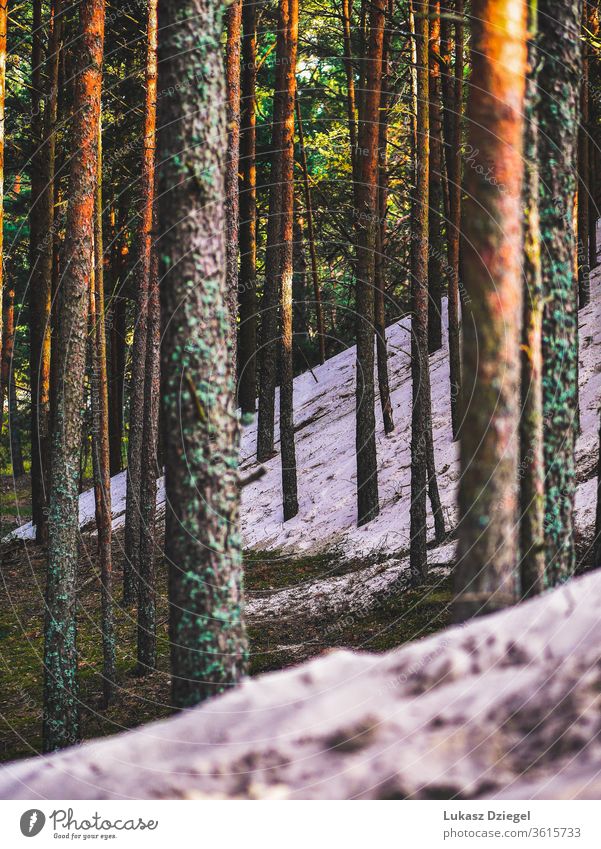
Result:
<point x="138" y="699"/>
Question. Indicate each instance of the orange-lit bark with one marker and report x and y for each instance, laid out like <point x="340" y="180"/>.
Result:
<point x="486" y="576"/>
<point x="232" y="83"/>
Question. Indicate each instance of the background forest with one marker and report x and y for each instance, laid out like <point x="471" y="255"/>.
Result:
<point x="312" y="274"/>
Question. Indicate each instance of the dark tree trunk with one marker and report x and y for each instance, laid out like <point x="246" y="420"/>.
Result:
<point x="486" y="576"/>
<point x="131" y="563"/>
<point x="117" y="345"/>
<point x="436" y="245"/>
<point x="366" y="214"/>
<point x="16" y="453"/>
<point x="60" y="722"/>
<point x="202" y="542"/>
<point x="247" y="341"/>
<point x="559" y="86"/>
<point x="584" y="283"/>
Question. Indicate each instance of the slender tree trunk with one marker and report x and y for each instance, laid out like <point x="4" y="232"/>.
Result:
<point x="146" y="587"/>
<point x="321" y="332"/>
<point x="559" y="85"/>
<point x="350" y="91"/>
<point x="100" y="443"/>
<point x="60" y="723"/>
<point x="131" y="564"/>
<point x="202" y="542"/>
<point x="452" y="88"/>
<point x="584" y="282"/>
<point x="271" y="294"/>
<point x="380" y="257"/>
<point x="117" y="343"/>
<point x="7" y="347"/>
<point x="247" y="342"/>
<point x="531" y="469"/>
<point x="232" y="78"/>
<point x="419" y="297"/>
<point x="366" y="214"/>
<point x="285" y="271"/>
<point x="487" y="556"/>
<point x="299" y="281"/>
<point x="16" y="452"/>
<point x="436" y="250"/>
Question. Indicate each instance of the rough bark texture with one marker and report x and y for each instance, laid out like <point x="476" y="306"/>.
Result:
<point x="60" y="723"/>
<point x="584" y="283"/>
<point x="559" y="84"/>
<point x="247" y="284"/>
<point x="531" y="468"/>
<point x="131" y="563"/>
<point x="100" y="443"/>
<point x="232" y="79"/>
<point x="285" y="271"/>
<point x="202" y="542"/>
<point x="419" y="304"/>
<point x="487" y="554"/>
<point x="507" y="706"/>
<point x="366" y="217"/>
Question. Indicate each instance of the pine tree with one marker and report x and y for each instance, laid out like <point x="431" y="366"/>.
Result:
<point x="436" y="250"/>
<point x="486" y="576"/>
<point x="232" y="79"/>
<point x="202" y="542"/>
<point x="60" y="722"/>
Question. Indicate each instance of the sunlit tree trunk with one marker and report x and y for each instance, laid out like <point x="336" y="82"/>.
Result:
<point x="131" y="562"/>
<point x="366" y="214"/>
<point x="247" y="341"/>
<point x="202" y="540"/>
<point x="486" y="572"/>
<point x="60" y="718"/>
<point x="436" y="244"/>
<point x="584" y="283"/>
<point x="232" y="80"/>
<point x="559" y="86"/>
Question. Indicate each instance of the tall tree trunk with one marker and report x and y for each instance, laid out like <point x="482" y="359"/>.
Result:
<point x="148" y="493"/>
<point x="436" y="250"/>
<point x="452" y="88"/>
<point x="531" y="469"/>
<point x="559" y="86"/>
<point x="486" y="577"/>
<point x="366" y="214"/>
<point x="247" y="342"/>
<point x="321" y="332"/>
<point x="380" y="257"/>
<point x="350" y="91"/>
<point x="100" y="443"/>
<point x="7" y="347"/>
<point x="60" y="723"/>
<point x="117" y="340"/>
<point x="271" y="294"/>
<point x="39" y="286"/>
<point x="232" y="79"/>
<point x="202" y="541"/>
<point x="584" y="283"/>
<point x="16" y="453"/>
<point x="419" y="304"/>
<point x="131" y="563"/>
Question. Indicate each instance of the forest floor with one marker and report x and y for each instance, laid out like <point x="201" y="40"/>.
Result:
<point x="312" y="584"/>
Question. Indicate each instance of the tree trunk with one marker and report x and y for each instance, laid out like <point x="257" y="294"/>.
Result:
<point x="366" y="214"/>
<point x="131" y="563"/>
<point x="202" y="542"/>
<point x="559" y="85"/>
<point x="271" y="294"/>
<point x="380" y="257"/>
<point x="321" y="332"/>
<point x="247" y="342"/>
<point x="60" y="723"/>
<point x="100" y="443"/>
<point x="232" y="78"/>
<point x="117" y="342"/>
<point x="16" y="453"/>
<point x="531" y="469"/>
<point x="584" y="283"/>
<point x="487" y="555"/>
<point x="419" y="305"/>
<point x="436" y="249"/>
<point x="350" y="91"/>
<point x="452" y="88"/>
<point x="7" y="347"/>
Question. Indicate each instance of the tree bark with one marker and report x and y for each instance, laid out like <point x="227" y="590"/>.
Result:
<point x="60" y="722"/>
<point x="232" y="79"/>
<point x="247" y="342"/>
<point x="436" y="250"/>
<point x="202" y="541"/>
<point x="117" y="340"/>
<point x="487" y="556"/>
<point x="366" y="214"/>
<point x="584" y="282"/>
<point x="131" y="563"/>
<point x="559" y="85"/>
